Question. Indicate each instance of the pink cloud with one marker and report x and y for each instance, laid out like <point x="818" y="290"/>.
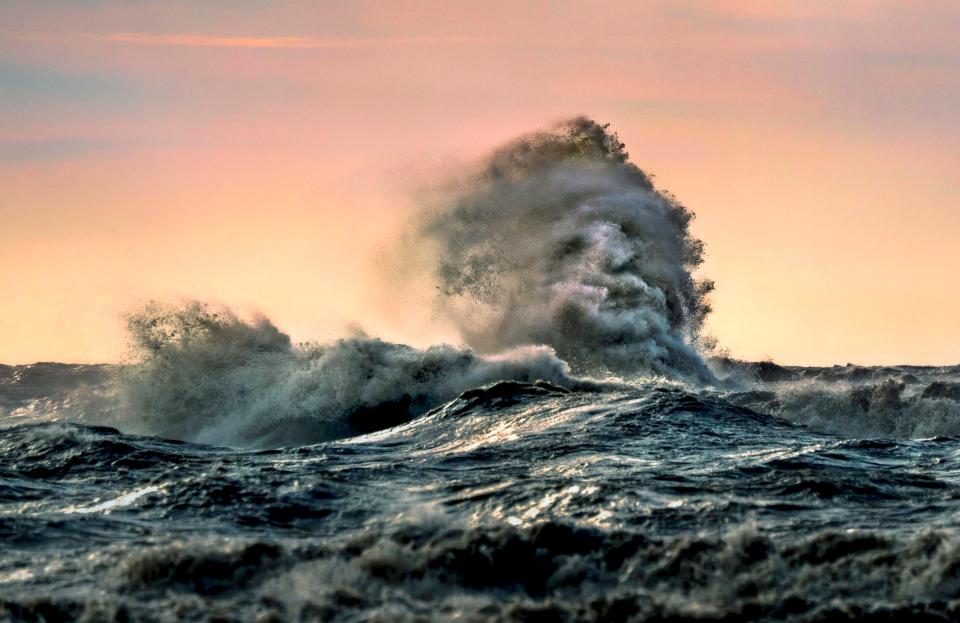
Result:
<point x="205" y="41"/>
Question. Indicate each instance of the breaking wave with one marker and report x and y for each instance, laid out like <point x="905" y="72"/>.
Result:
<point x="207" y="376"/>
<point x="556" y="257"/>
<point x="559" y="239"/>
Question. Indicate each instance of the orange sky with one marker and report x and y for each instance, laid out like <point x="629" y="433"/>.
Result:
<point x="266" y="155"/>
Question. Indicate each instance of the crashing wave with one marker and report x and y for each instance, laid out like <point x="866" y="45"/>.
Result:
<point x="558" y="239"/>
<point x="557" y="257"/>
<point x="207" y="376"/>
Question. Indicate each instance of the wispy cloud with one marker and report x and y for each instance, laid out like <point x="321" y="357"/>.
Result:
<point x="55" y="149"/>
<point x="206" y="41"/>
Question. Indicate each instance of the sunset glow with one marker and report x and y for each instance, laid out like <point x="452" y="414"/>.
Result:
<point x="270" y="156"/>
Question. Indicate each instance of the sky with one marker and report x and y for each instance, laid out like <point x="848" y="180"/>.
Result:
<point x="267" y="155"/>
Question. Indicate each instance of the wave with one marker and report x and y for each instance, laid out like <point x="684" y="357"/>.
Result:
<point x="558" y="239"/>
<point x="207" y="376"/>
<point x="886" y="409"/>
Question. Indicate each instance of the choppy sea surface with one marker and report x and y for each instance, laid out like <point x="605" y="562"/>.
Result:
<point x="796" y="494"/>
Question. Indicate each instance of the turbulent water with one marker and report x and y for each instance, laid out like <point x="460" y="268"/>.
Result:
<point x="581" y="458"/>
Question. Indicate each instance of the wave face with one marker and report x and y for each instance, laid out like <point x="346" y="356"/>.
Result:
<point x="560" y="240"/>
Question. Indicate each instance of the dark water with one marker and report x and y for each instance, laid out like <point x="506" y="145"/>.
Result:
<point x="801" y="495"/>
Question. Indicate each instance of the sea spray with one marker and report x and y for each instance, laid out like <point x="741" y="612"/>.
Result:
<point x="558" y="239"/>
<point x="203" y="374"/>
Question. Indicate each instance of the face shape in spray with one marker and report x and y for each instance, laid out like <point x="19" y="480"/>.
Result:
<point x="558" y="239"/>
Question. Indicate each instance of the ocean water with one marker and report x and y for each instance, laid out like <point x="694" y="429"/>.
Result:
<point x="514" y="501"/>
<point x="585" y="454"/>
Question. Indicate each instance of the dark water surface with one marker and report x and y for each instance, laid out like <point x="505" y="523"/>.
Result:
<point x="826" y="494"/>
